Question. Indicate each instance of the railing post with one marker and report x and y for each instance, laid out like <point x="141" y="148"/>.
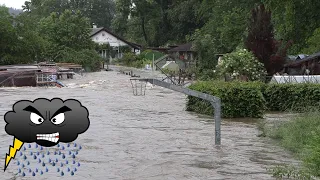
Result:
<point x="217" y="120"/>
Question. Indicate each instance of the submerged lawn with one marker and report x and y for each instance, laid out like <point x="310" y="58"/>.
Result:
<point x="300" y="135"/>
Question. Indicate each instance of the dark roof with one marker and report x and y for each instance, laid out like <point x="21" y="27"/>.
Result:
<point x="297" y="62"/>
<point x="95" y="31"/>
<point x="182" y="48"/>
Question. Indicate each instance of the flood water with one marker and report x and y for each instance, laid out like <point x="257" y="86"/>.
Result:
<point x="149" y="137"/>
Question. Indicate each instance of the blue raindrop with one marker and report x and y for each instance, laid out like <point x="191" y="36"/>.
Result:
<point x="67" y="162"/>
<point x="53" y="164"/>
<point x="37" y="145"/>
<point x="24" y="148"/>
<point x="58" y="145"/>
<point x="39" y="161"/>
<point x="57" y="160"/>
<point x="33" y="174"/>
<point x="47" y="169"/>
<point x="31" y="153"/>
<point x="62" y="173"/>
<point x="48" y="153"/>
<point x="42" y="155"/>
<point x="68" y="169"/>
<point x="76" y="152"/>
<point x="55" y="153"/>
<point x="34" y="157"/>
<point x="80" y="147"/>
<point x="18" y="163"/>
<point x="28" y="163"/>
<point x="70" y="153"/>
<point x="30" y="170"/>
<point x="78" y="164"/>
<point x="58" y="169"/>
<point x="41" y="148"/>
<point x="73" y="156"/>
<point x="41" y="172"/>
<point x="37" y="170"/>
<point x="61" y="164"/>
<point x="23" y="174"/>
<point x="19" y="171"/>
<point x="72" y="173"/>
<point x="62" y="148"/>
<point x="22" y="166"/>
<point x="21" y="154"/>
<point x="38" y="153"/>
<point x="49" y="160"/>
<point x="43" y="164"/>
<point x="73" y="162"/>
<point x="63" y="156"/>
<point x="75" y="144"/>
<point x="68" y="145"/>
<point x="29" y="146"/>
<point x="24" y="157"/>
<point x="75" y="169"/>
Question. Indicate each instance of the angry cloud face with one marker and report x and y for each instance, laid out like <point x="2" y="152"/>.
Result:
<point x="47" y="122"/>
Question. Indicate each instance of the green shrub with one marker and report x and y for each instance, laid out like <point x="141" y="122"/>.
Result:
<point x="89" y="59"/>
<point x="242" y="63"/>
<point x="239" y="99"/>
<point x="293" y="97"/>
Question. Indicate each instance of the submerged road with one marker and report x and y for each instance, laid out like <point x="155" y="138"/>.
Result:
<point x="148" y="137"/>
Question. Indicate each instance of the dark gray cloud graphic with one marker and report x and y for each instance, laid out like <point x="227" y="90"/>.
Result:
<point x="47" y="122"/>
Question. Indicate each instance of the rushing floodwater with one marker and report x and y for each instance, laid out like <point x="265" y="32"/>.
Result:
<point x="149" y="137"/>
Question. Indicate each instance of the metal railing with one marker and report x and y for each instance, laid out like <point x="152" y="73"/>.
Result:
<point x="215" y="101"/>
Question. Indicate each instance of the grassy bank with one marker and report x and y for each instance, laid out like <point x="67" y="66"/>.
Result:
<point x="300" y="135"/>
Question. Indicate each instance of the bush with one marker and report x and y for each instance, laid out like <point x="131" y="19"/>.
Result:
<point x="132" y="60"/>
<point x="293" y="97"/>
<point x="242" y="63"/>
<point x="89" y="59"/>
<point x="239" y="99"/>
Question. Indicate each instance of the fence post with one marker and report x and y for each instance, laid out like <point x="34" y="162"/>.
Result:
<point x="217" y="120"/>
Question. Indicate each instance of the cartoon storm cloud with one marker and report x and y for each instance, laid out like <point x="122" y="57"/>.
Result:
<point x="45" y="122"/>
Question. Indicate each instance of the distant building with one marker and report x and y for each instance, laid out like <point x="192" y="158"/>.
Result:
<point x="183" y="54"/>
<point x="105" y="36"/>
<point x="304" y="65"/>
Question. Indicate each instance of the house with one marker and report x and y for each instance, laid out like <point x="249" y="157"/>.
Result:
<point x="304" y="65"/>
<point x="104" y="36"/>
<point x="183" y="54"/>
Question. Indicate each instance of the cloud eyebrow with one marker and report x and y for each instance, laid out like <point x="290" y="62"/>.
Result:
<point x="33" y="110"/>
<point x="61" y="110"/>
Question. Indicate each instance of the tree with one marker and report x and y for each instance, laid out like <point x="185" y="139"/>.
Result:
<point x="261" y="41"/>
<point x="8" y="45"/>
<point x="68" y="30"/>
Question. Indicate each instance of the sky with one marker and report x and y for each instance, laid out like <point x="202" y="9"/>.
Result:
<point x="13" y="3"/>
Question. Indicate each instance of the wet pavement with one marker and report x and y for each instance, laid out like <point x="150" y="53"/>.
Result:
<point x="149" y="137"/>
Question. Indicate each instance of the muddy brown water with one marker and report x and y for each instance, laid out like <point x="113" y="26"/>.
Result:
<point x="149" y="137"/>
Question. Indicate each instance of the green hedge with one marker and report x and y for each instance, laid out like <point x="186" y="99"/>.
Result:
<point x="292" y="97"/>
<point x="252" y="99"/>
<point x="238" y="99"/>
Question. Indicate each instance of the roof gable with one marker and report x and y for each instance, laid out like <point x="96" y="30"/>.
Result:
<point x="95" y="31"/>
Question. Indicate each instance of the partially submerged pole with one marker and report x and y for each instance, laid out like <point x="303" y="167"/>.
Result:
<point x="215" y="102"/>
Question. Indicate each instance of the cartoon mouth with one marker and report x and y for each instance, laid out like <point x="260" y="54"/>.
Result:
<point x="49" y="137"/>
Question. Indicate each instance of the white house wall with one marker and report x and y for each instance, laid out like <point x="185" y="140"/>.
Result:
<point x="104" y="38"/>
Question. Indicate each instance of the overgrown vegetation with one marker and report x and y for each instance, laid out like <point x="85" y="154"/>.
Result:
<point x="251" y="99"/>
<point x="138" y="61"/>
<point x="239" y="99"/>
<point x="301" y="136"/>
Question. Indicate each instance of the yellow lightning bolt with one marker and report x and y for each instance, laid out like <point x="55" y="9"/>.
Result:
<point x="17" y="144"/>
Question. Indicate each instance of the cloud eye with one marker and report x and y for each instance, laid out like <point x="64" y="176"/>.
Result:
<point x="36" y="119"/>
<point x="58" y="119"/>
